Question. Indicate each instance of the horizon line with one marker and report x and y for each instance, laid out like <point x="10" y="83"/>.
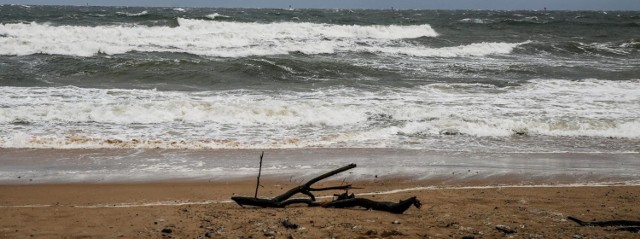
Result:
<point x="336" y="8"/>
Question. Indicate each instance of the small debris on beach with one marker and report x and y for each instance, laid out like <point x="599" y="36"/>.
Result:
<point x="167" y="230"/>
<point x="269" y="233"/>
<point x="391" y="233"/>
<point x="505" y="229"/>
<point x="289" y="225"/>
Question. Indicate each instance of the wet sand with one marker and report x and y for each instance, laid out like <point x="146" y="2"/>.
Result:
<point x="203" y="210"/>
<point x="29" y="166"/>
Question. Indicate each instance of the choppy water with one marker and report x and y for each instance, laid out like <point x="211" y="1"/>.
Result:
<point x="478" y="81"/>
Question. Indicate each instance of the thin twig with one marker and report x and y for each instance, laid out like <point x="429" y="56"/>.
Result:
<point x="259" y="172"/>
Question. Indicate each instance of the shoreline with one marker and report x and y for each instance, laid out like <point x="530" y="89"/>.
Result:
<point x="51" y="166"/>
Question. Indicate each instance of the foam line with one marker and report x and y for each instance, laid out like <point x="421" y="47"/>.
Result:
<point x="394" y="191"/>
<point x="71" y="117"/>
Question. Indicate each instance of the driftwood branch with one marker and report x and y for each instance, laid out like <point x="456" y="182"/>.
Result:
<point x="344" y="200"/>
<point x="262" y="202"/>
<point x="392" y="207"/>
<point x="282" y="200"/>
<point x="623" y="225"/>
<point x="613" y="223"/>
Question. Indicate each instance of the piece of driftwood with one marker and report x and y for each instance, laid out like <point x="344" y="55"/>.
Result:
<point x="344" y="200"/>
<point x="284" y="200"/>
<point x="629" y="229"/>
<point x="392" y="207"/>
<point x="613" y="223"/>
<point x="621" y="225"/>
<point x="343" y="196"/>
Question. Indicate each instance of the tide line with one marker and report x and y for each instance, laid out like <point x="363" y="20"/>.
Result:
<point x="394" y="191"/>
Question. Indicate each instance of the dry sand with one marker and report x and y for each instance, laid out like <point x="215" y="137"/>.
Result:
<point x="202" y="210"/>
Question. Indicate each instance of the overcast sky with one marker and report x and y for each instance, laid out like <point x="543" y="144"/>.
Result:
<point x="376" y="4"/>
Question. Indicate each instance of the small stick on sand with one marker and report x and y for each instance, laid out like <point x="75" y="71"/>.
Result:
<point x="259" y="172"/>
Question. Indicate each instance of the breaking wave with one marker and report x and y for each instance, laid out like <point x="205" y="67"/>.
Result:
<point x="202" y="37"/>
<point x="216" y="15"/>
<point x="70" y="117"/>
<point x="128" y="14"/>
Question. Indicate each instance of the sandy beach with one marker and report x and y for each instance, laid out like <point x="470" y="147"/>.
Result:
<point x="144" y="122"/>
<point x="203" y="210"/>
<point x="127" y="194"/>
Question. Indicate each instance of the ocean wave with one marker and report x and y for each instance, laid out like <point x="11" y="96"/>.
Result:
<point x="138" y="14"/>
<point x="570" y="127"/>
<point x="411" y="135"/>
<point x="532" y="20"/>
<point x="72" y="117"/>
<point x="230" y="39"/>
<point x="474" y="49"/>
<point x="631" y="44"/>
<point x="200" y="37"/>
<point x="615" y="48"/>
<point x="474" y="20"/>
<point x="216" y="15"/>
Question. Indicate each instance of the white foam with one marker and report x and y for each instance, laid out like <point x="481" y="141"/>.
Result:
<point x="149" y="107"/>
<point x="200" y="37"/>
<point x="70" y="117"/>
<point x="474" y="49"/>
<point x="216" y="15"/>
<point x="473" y="20"/>
<point x="128" y="14"/>
<point x="590" y="107"/>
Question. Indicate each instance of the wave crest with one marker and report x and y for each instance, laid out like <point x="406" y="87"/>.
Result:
<point x="138" y="14"/>
<point x="200" y="37"/>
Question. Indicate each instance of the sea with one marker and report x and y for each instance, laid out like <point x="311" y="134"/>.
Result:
<point x="110" y="94"/>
